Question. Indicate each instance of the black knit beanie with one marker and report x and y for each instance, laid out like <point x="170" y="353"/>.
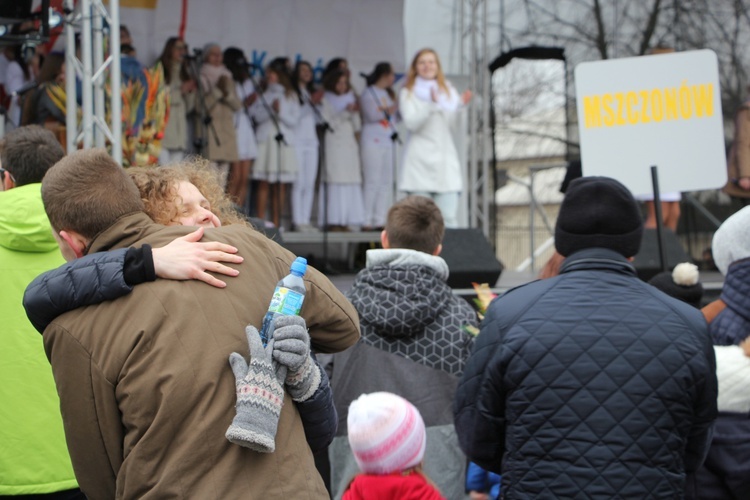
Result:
<point x="598" y="212"/>
<point x="691" y="294"/>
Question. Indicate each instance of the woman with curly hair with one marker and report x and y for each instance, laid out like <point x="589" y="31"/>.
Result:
<point x="187" y="193"/>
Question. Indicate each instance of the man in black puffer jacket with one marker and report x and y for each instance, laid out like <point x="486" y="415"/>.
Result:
<point x="591" y="384"/>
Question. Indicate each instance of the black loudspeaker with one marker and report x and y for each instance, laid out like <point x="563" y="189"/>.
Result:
<point x="470" y="258"/>
<point x="647" y="262"/>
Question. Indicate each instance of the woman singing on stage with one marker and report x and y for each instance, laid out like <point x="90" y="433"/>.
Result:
<point x="428" y="103"/>
<point x="277" y="162"/>
<point x="378" y="106"/>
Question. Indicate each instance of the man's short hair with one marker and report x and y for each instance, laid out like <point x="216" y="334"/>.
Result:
<point x="87" y="191"/>
<point x="28" y="152"/>
<point x="415" y="223"/>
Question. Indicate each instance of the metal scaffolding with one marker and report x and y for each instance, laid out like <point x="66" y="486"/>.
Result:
<point x="99" y="126"/>
<point x="473" y="28"/>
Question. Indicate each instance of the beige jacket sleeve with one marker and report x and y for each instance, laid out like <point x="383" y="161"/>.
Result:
<point x="89" y="408"/>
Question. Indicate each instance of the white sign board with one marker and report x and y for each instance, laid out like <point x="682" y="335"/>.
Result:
<point x="662" y="110"/>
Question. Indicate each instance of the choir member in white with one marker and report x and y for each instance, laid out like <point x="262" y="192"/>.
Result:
<point x="306" y="147"/>
<point x="276" y="162"/>
<point x="428" y="105"/>
<point x="247" y="149"/>
<point x="340" y="197"/>
<point x="379" y="108"/>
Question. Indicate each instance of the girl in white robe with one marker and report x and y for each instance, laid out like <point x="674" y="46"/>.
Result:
<point x="306" y="147"/>
<point x="340" y="198"/>
<point x="276" y="164"/>
<point x="379" y="108"/>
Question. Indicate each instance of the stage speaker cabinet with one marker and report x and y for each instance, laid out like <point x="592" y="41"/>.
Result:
<point x="470" y="258"/>
<point x="647" y="262"/>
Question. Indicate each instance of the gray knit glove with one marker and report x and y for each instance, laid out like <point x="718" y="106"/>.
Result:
<point x="292" y="350"/>
<point x="260" y="395"/>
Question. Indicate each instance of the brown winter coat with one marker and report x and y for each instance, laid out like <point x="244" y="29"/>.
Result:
<point x="146" y="389"/>
<point x="738" y="163"/>
<point x="221" y="146"/>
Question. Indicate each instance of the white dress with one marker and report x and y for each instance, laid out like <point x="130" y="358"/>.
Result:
<point x="247" y="148"/>
<point x="431" y="161"/>
<point x="378" y="158"/>
<point x="342" y="204"/>
<point x="306" y="148"/>
<point x="276" y="163"/>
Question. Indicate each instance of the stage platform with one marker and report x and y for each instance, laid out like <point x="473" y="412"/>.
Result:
<point x="340" y="255"/>
<point x="712" y="283"/>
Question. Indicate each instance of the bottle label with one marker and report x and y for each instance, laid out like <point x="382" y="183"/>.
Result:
<point x="286" y="301"/>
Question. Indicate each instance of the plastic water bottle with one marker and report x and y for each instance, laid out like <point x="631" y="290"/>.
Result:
<point x="287" y="298"/>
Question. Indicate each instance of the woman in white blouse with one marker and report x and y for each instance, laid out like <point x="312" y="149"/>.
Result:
<point x="277" y="162"/>
<point x="378" y="105"/>
<point x="428" y="103"/>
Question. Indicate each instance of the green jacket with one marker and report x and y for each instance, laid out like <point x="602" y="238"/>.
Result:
<point x="33" y="456"/>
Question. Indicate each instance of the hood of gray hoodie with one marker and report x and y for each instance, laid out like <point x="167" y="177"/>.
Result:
<point x="400" y="292"/>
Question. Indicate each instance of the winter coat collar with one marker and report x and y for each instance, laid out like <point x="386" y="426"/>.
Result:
<point x="592" y="259"/>
<point x="406" y="257"/>
<point x="124" y="232"/>
<point x="400" y="292"/>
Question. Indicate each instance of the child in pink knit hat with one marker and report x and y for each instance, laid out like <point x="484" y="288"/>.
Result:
<point x="387" y="437"/>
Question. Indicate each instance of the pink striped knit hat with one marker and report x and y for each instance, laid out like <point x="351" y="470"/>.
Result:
<point x="386" y="433"/>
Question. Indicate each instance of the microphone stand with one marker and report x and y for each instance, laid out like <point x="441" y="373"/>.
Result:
<point x="200" y="142"/>
<point x="247" y="203"/>
<point x="279" y="138"/>
<point x="394" y="136"/>
<point x="324" y="127"/>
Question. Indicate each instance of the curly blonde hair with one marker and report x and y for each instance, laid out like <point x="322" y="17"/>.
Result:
<point x="158" y="188"/>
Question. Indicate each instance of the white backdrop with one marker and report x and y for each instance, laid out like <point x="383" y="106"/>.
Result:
<point x="364" y="32"/>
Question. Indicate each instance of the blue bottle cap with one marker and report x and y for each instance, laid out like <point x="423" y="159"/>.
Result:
<point x="299" y="266"/>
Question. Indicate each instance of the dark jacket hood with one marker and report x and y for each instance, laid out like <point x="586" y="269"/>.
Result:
<point x="401" y="291"/>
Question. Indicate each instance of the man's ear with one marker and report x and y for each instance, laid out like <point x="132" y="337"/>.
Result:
<point x="438" y="250"/>
<point x="75" y="242"/>
<point x="384" y="239"/>
<point x="7" y="181"/>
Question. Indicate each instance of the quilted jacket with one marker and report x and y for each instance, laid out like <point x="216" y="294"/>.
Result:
<point x="100" y="277"/>
<point x="591" y="384"/>
<point x="732" y="325"/>
<point x="726" y="471"/>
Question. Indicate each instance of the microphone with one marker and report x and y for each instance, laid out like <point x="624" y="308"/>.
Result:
<point x="24" y="88"/>
<point x="364" y="75"/>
